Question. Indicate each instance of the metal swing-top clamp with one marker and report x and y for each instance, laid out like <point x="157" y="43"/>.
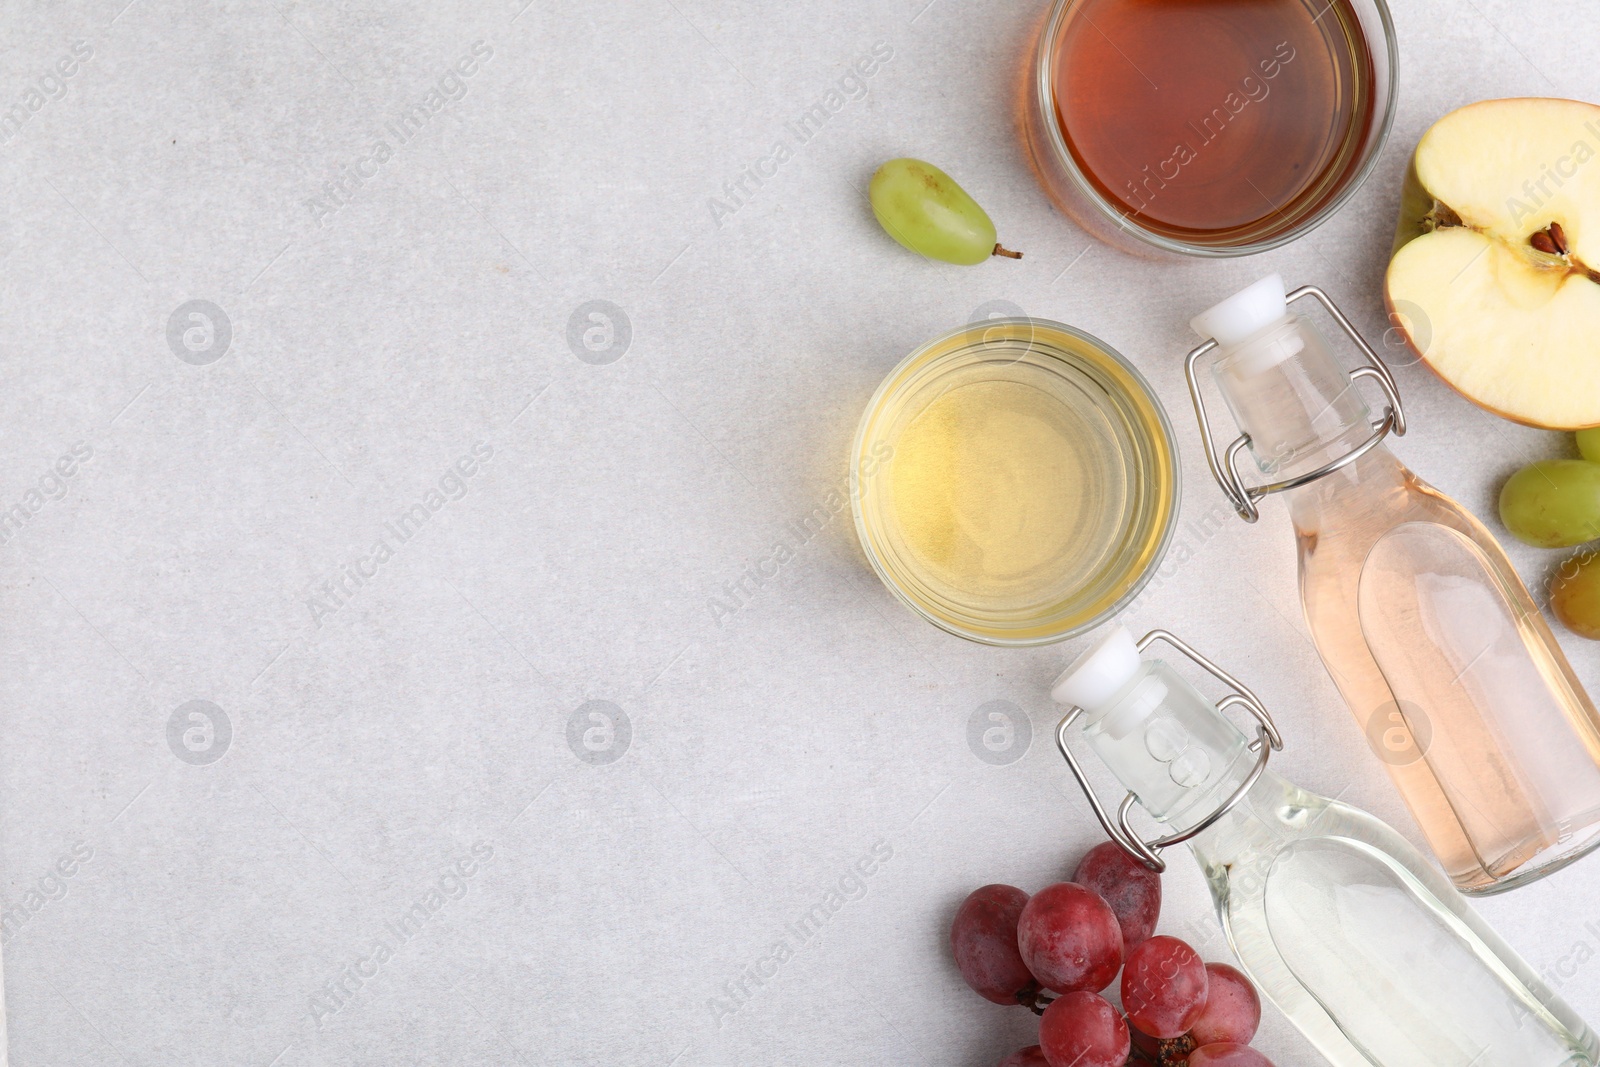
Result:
<point x="1267" y="741"/>
<point x="1226" y="470"/>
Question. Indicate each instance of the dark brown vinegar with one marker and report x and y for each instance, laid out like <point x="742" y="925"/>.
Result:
<point x="1214" y="120"/>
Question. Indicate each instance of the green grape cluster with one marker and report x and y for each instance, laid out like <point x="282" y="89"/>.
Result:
<point x="1555" y="503"/>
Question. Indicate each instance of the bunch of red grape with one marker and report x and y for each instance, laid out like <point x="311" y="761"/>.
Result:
<point x="1072" y="938"/>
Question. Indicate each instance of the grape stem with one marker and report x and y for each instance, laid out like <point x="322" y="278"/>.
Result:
<point x="1002" y="250"/>
<point x="1035" y="1000"/>
<point x="1172" y="1052"/>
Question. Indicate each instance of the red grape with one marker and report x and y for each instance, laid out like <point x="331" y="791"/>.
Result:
<point x="1083" y="1030"/>
<point x="1232" y="1011"/>
<point x="1227" y="1054"/>
<point x="1143" y="1042"/>
<point x="1164" y="987"/>
<point x="984" y="940"/>
<point x="1132" y="889"/>
<point x="1032" y="1056"/>
<point x="1070" y="939"/>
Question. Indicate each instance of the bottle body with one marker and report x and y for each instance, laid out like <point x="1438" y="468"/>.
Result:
<point x="1424" y="626"/>
<point x="1341" y="923"/>
<point x="1451" y="671"/>
<point x="1368" y="949"/>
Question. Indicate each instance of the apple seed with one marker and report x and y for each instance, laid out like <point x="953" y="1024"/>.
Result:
<point x="1552" y="240"/>
<point x="1558" y="237"/>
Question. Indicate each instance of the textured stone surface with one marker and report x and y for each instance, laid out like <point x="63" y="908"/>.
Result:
<point x="574" y="400"/>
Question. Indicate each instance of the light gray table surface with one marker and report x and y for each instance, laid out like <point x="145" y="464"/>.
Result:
<point x="353" y="753"/>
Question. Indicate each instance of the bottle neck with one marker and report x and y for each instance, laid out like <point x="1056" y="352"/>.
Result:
<point x="1170" y="746"/>
<point x="1375" y="483"/>
<point x="1242" y="839"/>
<point x="1289" y="394"/>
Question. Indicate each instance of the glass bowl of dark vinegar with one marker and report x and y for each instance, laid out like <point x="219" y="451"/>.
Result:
<point x="1208" y="127"/>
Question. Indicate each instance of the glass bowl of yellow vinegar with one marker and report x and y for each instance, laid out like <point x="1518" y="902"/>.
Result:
<point x="1015" y="482"/>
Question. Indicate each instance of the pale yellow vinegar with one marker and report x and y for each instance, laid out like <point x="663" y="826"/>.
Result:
<point x="1015" y="482"/>
<point x="989" y="486"/>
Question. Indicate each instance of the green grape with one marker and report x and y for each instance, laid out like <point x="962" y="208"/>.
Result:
<point x="1575" y="595"/>
<point x="924" y="209"/>
<point x="1589" y="443"/>
<point x="1554" y="503"/>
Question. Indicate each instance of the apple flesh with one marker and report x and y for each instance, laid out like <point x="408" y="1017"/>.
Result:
<point x="1493" y="280"/>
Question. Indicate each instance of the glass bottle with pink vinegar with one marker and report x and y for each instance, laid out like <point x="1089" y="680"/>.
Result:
<point x="1419" y="617"/>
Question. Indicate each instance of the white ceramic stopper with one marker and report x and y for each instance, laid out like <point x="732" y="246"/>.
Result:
<point x="1097" y="675"/>
<point x="1245" y="313"/>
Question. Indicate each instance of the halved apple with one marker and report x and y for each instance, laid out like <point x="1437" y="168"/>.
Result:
<point x="1493" y="279"/>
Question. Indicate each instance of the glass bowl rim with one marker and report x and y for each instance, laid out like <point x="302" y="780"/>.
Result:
<point x="1044" y="102"/>
<point x="897" y="376"/>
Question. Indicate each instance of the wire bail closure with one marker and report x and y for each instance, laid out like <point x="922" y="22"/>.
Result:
<point x="1267" y="741"/>
<point x="1226" y="470"/>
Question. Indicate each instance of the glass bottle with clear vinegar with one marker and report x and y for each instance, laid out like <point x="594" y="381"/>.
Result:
<point x="1343" y="925"/>
<point x="1419" y="617"/>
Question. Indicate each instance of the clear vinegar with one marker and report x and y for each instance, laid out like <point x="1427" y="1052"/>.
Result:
<point x="1365" y="952"/>
<point x="1341" y="923"/>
